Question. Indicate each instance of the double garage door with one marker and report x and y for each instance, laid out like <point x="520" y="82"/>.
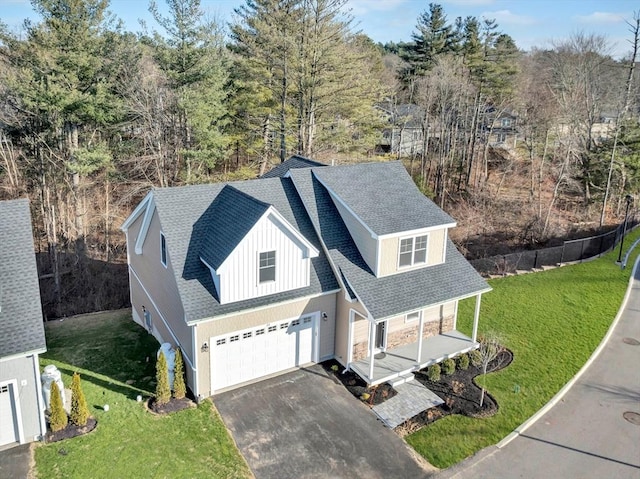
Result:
<point x="250" y="354"/>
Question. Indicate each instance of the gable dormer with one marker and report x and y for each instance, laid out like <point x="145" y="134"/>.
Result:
<point x="394" y="226"/>
<point x="251" y="249"/>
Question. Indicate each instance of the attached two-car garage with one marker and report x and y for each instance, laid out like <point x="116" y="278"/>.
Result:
<point x="267" y="349"/>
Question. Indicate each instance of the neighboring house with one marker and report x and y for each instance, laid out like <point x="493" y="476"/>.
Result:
<point x="405" y="134"/>
<point x="254" y="278"/>
<point x="21" y="329"/>
<point x="500" y="126"/>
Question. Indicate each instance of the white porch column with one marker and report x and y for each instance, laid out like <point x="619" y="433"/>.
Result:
<point x="420" y="327"/>
<point x="372" y="340"/>
<point x="476" y="316"/>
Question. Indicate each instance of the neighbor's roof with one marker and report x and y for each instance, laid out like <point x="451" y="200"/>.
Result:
<point x="292" y="163"/>
<point x="383" y="196"/>
<point x="188" y="214"/>
<point x="389" y="295"/>
<point x="21" y="327"/>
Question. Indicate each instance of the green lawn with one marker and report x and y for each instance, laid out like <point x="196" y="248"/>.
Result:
<point x="110" y="352"/>
<point x="552" y="321"/>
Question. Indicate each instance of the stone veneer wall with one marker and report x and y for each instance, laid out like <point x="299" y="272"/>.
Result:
<point x="406" y="336"/>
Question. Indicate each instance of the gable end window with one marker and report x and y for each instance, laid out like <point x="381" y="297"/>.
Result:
<point x="163" y="250"/>
<point x="412" y="251"/>
<point x="267" y="268"/>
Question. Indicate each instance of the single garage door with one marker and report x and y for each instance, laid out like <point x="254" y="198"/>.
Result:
<point x="8" y="423"/>
<point x="267" y="349"/>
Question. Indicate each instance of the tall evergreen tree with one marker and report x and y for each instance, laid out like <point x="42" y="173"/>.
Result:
<point x="179" y="387"/>
<point x="163" y="391"/>
<point x="58" y="419"/>
<point x="433" y="37"/>
<point x="79" y="410"/>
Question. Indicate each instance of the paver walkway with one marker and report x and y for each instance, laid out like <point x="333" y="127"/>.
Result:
<point x="412" y="398"/>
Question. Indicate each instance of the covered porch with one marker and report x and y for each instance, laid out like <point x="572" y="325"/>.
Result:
<point x="403" y="360"/>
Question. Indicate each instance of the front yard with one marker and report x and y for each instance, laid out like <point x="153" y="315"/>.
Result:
<point x="110" y="352"/>
<point x="552" y="321"/>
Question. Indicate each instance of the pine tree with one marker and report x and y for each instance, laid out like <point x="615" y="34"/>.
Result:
<point x="179" y="388"/>
<point x="79" y="410"/>
<point x="163" y="392"/>
<point x="58" y="419"/>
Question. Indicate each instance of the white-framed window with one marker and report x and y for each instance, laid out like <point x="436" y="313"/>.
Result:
<point x="163" y="249"/>
<point x="411" y="317"/>
<point x="412" y="251"/>
<point x="267" y="267"/>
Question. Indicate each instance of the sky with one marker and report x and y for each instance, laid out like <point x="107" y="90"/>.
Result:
<point x="530" y="23"/>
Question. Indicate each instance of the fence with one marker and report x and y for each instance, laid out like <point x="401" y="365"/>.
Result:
<point x="568" y="252"/>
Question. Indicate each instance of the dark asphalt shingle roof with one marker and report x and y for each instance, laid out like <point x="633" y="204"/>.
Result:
<point x="235" y="214"/>
<point x="294" y="162"/>
<point x="21" y="327"/>
<point x="389" y="295"/>
<point x="399" y="205"/>
<point x="187" y="214"/>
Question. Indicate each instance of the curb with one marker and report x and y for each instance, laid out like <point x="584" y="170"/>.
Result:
<point x="560" y="394"/>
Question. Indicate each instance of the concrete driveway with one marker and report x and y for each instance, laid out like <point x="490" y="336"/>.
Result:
<point x="305" y="425"/>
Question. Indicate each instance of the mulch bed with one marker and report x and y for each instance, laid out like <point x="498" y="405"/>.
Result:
<point x="174" y="405"/>
<point x="460" y="393"/>
<point x="356" y="386"/>
<point x="71" y="431"/>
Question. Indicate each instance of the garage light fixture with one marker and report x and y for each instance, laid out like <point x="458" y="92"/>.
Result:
<point x="204" y="348"/>
<point x="324" y="316"/>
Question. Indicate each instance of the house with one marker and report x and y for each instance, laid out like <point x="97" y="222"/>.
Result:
<point x="405" y="134"/>
<point x="254" y="278"/>
<point x="21" y="329"/>
<point x="500" y="126"/>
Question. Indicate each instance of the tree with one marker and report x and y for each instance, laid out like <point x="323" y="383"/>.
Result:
<point x="179" y="388"/>
<point x="58" y="416"/>
<point x="163" y="391"/>
<point x="79" y="410"/>
<point x="490" y="347"/>
<point x="433" y="37"/>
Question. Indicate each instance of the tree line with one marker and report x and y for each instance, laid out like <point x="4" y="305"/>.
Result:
<point x="93" y="115"/>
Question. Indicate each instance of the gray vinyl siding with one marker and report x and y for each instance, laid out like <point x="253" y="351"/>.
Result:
<point x="27" y="369"/>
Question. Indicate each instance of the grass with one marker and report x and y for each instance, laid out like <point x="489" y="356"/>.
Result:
<point x="110" y="352"/>
<point x="552" y="321"/>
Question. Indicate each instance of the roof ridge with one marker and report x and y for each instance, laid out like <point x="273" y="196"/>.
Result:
<point x="246" y="195"/>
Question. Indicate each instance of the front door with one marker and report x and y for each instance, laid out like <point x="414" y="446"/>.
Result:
<point x="381" y="337"/>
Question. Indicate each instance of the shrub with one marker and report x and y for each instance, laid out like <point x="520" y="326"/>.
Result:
<point x="163" y="392"/>
<point x="463" y="362"/>
<point x="179" y="388"/>
<point x="58" y="419"/>
<point x="433" y="373"/>
<point x="79" y="410"/>
<point x="476" y="358"/>
<point x="448" y="366"/>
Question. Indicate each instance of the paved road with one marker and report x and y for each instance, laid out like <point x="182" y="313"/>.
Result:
<point x="304" y="425"/>
<point x="584" y="435"/>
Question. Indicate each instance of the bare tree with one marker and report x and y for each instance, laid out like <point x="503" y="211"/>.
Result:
<point x="490" y="347"/>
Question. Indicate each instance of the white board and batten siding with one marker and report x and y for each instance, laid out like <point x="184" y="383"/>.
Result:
<point x="238" y="275"/>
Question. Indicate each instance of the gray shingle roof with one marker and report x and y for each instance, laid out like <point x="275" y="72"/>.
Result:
<point x="399" y="205"/>
<point x="390" y="295"/>
<point x="187" y="214"/>
<point x="235" y="214"/>
<point x="294" y="162"/>
<point x="21" y="327"/>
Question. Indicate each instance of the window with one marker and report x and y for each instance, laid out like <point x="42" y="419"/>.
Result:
<point x="220" y="342"/>
<point x="506" y="122"/>
<point x="259" y="331"/>
<point x="246" y="335"/>
<point x="295" y="322"/>
<point x="233" y="339"/>
<point x="412" y="251"/>
<point x="412" y="317"/>
<point x="163" y="250"/>
<point x="267" y="270"/>
<point x="272" y="329"/>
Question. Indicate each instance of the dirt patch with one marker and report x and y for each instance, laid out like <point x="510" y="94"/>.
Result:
<point x="460" y="393"/>
<point x="71" y="431"/>
<point x="174" y="405"/>
<point x="371" y="395"/>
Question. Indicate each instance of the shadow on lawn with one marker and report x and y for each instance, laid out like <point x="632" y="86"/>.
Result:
<point x="128" y="391"/>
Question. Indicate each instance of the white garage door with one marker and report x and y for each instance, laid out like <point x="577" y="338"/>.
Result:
<point x="8" y="429"/>
<point x="267" y="349"/>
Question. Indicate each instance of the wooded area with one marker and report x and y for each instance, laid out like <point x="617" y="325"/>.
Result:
<point x="518" y="147"/>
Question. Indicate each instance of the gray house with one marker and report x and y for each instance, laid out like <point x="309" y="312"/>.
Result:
<point x="21" y="329"/>
<point x="309" y="263"/>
